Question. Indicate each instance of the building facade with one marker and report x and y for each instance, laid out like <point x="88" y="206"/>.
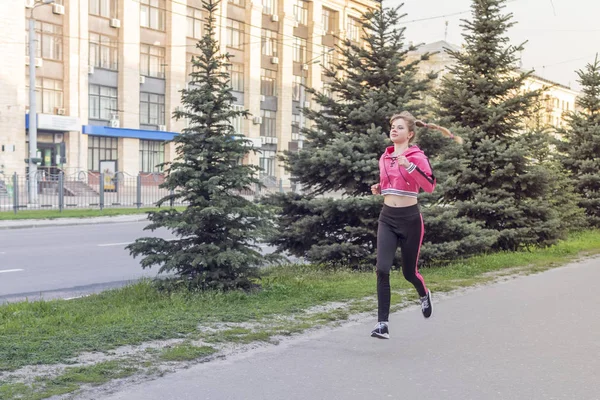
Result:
<point x="557" y="98"/>
<point x="109" y="75"/>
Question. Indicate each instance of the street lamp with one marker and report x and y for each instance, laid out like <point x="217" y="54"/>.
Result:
<point x="32" y="106"/>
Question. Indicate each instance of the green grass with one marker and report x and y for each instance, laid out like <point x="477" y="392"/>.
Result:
<point x="76" y="213"/>
<point x="69" y="381"/>
<point x="186" y="352"/>
<point x="52" y="332"/>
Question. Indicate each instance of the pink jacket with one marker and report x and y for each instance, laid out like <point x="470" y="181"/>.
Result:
<point x="398" y="180"/>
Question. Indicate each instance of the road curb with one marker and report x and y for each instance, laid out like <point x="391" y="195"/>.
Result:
<point x="28" y="224"/>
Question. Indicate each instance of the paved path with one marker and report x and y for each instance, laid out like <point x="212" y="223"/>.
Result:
<point x="535" y="337"/>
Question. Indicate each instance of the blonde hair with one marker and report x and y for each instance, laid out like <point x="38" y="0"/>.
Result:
<point x="411" y="122"/>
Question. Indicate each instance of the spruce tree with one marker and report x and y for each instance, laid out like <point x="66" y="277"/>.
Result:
<point x="581" y="145"/>
<point x="497" y="185"/>
<point x="348" y="134"/>
<point x="215" y="233"/>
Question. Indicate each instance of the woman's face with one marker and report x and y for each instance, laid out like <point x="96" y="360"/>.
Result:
<point x="399" y="131"/>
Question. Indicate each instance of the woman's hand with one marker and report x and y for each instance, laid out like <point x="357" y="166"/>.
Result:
<point x="403" y="161"/>
<point x="376" y="188"/>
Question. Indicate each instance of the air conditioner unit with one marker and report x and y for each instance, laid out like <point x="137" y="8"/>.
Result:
<point x="59" y="111"/>
<point x="115" y="23"/>
<point x="162" y="127"/>
<point x="142" y="79"/>
<point x="307" y="104"/>
<point x="91" y="70"/>
<point x="274" y="17"/>
<point x="305" y="67"/>
<point x="38" y="61"/>
<point x="257" y="120"/>
<point x="58" y="9"/>
<point x="29" y="3"/>
<point x="263" y="97"/>
<point x="115" y="123"/>
<point x="274" y="60"/>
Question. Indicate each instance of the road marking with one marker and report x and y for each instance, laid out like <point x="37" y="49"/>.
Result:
<point x="10" y="270"/>
<point x="114" y="244"/>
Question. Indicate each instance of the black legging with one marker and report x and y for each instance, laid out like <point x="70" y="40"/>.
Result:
<point x="398" y="226"/>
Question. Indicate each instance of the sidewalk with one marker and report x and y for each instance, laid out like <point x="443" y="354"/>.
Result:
<point x="40" y="223"/>
<point x="524" y="338"/>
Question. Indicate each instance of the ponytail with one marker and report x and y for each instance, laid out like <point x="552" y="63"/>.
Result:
<point x="443" y="130"/>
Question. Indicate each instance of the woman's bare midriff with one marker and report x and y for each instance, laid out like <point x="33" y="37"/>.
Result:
<point x="393" y="200"/>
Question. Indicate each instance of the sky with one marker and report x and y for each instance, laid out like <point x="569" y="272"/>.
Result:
<point x="562" y="35"/>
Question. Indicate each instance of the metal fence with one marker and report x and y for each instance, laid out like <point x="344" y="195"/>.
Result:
<point x="89" y="190"/>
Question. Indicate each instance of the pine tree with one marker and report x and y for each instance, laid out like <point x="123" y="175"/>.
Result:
<point x="581" y="147"/>
<point x="497" y="185"/>
<point x="448" y="235"/>
<point x="342" y="148"/>
<point x="215" y="233"/>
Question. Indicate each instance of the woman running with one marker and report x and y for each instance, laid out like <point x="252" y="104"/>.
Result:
<point x="403" y="170"/>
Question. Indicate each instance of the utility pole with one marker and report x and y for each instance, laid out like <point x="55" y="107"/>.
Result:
<point x="33" y="159"/>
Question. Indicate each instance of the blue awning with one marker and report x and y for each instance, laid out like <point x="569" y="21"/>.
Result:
<point x="127" y="133"/>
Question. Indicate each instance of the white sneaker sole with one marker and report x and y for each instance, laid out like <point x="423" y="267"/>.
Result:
<point x="380" y="335"/>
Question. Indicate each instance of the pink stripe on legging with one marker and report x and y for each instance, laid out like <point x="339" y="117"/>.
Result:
<point x="419" y="276"/>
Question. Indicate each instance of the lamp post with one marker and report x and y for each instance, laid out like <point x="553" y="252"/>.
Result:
<point x="32" y="107"/>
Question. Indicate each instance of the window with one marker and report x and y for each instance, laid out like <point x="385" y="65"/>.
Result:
<point x="327" y="19"/>
<point x="269" y="6"/>
<point x="152" y="14"/>
<point x="267" y="162"/>
<point x="269" y="43"/>
<point x="327" y="91"/>
<point x="301" y="11"/>
<point x="152" y="153"/>
<point x="235" y="34"/>
<point x="152" y="61"/>
<point x="104" y="8"/>
<point x="194" y="23"/>
<point x="327" y="57"/>
<point x="101" y="148"/>
<point x="237" y="121"/>
<point x="239" y="3"/>
<point x="267" y="127"/>
<point x="296" y="126"/>
<point x="299" y="49"/>
<point x="103" y="102"/>
<point x="236" y="72"/>
<point x="103" y="51"/>
<point x="268" y="82"/>
<point x="49" y="41"/>
<point x="48" y="94"/>
<point x="152" y="109"/>
<point x="189" y="66"/>
<point x="353" y="30"/>
<point x="297" y="88"/>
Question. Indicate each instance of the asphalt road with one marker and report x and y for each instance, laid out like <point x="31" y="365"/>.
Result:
<point x="534" y="337"/>
<point x="70" y="261"/>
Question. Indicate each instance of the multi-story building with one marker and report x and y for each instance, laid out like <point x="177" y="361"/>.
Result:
<point x="557" y="98"/>
<point x="109" y="75"/>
